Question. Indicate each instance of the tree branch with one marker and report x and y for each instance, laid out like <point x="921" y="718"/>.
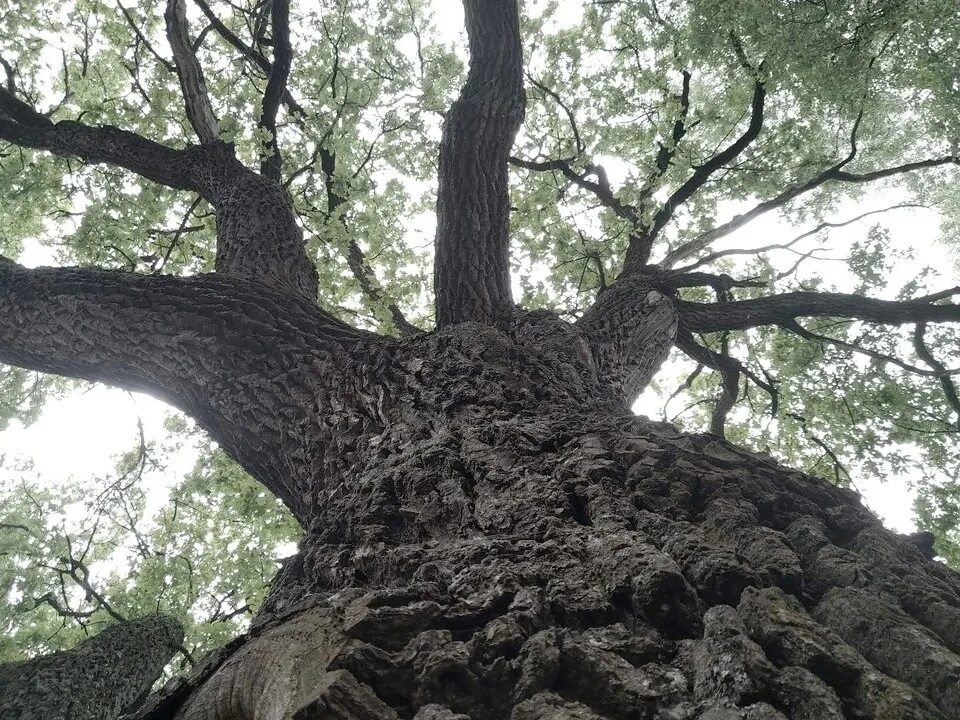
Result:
<point x="106" y="144"/>
<point x="797" y="329"/>
<point x="356" y="258"/>
<point x="194" y="87"/>
<point x="835" y="173"/>
<point x="713" y="257"/>
<point x="472" y="265"/>
<point x="781" y="309"/>
<point x="142" y="38"/>
<point x="248" y="52"/>
<point x="209" y="345"/>
<point x="730" y="369"/>
<point x="270" y="166"/>
<point x="257" y="231"/>
<point x="638" y="252"/>
<point x="943" y="375"/>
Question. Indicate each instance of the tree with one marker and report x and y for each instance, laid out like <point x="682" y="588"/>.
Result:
<point x="488" y="531"/>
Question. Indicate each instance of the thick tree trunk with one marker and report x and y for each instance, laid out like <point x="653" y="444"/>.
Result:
<point x="512" y="543"/>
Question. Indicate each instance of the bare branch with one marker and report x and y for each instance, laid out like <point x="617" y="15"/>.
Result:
<point x="194" y="87"/>
<point x="248" y="52"/>
<point x="730" y="370"/>
<point x="781" y="309"/>
<point x="713" y="257"/>
<point x="363" y="273"/>
<point x="796" y="328"/>
<point x="143" y="39"/>
<point x="831" y="174"/>
<point x="571" y="118"/>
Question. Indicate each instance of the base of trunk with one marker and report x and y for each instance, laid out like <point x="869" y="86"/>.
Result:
<point x="581" y="565"/>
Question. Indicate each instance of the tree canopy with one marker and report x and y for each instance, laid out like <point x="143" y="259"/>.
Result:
<point x="656" y="135"/>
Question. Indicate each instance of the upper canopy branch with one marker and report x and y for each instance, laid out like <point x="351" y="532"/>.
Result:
<point x="834" y="173"/>
<point x="276" y="86"/>
<point x="207" y="344"/>
<point x="638" y="252"/>
<point x="194" y="87"/>
<point x="257" y="232"/>
<point x="781" y="309"/>
<point x="472" y="265"/>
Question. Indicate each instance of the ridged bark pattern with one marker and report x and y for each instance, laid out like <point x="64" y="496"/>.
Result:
<point x="472" y="266"/>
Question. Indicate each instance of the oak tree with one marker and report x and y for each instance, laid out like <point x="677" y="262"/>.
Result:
<point x="488" y="531"/>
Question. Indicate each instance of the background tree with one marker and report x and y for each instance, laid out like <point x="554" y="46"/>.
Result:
<point x="487" y="529"/>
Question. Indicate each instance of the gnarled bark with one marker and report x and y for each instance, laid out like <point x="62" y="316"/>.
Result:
<point x="95" y="680"/>
<point x="260" y="370"/>
<point x="526" y="551"/>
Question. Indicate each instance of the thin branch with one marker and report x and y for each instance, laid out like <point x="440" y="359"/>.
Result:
<point x="362" y="272"/>
<point x="638" y="252"/>
<point x="797" y="329"/>
<point x="780" y="309"/>
<point x="248" y="52"/>
<point x="831" y="174"/>
<point x="143" y="39"/>
<point x="571" y="118"/>
<point x="730" y="369"/>
<point x="946" y="382"/>
<point x="713" y="257"/>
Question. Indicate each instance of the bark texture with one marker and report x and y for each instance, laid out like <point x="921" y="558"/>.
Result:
<point x="262" y="371"/>
<point x="472" y="266"/>
<point x="96" y="680"/>
<point x="512" y="544"/>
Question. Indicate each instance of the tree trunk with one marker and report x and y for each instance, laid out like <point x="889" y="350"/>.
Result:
<point x="513" y="544"/>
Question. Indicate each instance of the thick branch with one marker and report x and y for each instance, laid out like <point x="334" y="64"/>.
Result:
<point x="250" y="364"/>
<point x="629" y="330"/>
<point x="276" y="86"/>
<point x="107" y="144"/>
<point x="194" y="87"/>
<point x="781" y="309"/>
<point x="472" y="265"/>
<point x="257" y="231"/>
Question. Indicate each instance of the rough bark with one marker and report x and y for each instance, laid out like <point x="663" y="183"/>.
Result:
<point x="261" y="371"/>
<point x="258" y="236"/>
<point x="97" y="679"/>
<point x="512" y="545"/>
<point x="472" y="266"/>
